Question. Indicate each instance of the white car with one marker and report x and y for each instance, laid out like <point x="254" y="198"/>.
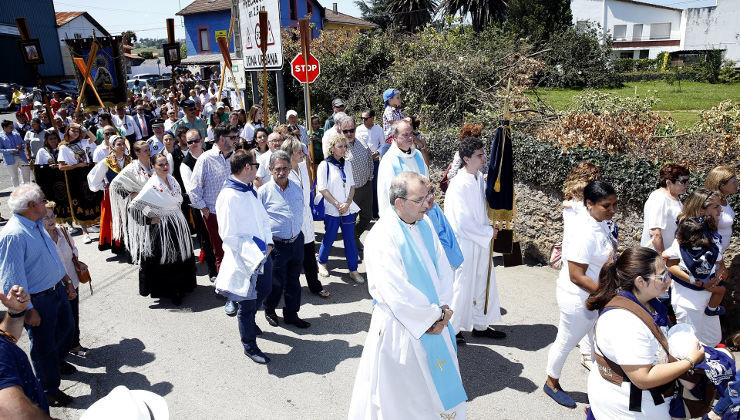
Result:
<point x="4" y="103"/>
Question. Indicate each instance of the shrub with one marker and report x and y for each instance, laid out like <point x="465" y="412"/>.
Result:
<point x="729" y="73"/>
<point x="723" y="119"/>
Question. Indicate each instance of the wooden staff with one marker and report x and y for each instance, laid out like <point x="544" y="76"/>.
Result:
<point x="223" y="70"/>
<point x="86" y="69"/>
<point x="263" y="47"/>
<point x="507" y="117"/>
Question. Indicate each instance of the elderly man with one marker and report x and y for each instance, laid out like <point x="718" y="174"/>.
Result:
<point x="401" y="156"/>
<point x="156" y="142"/>
<point x="292" y="118"/>
<point x="333" y="130"/>
<point x="191" y="119"/>
<point x="409" y="348"/>
<point x="126" y="123"/>
<point x="246" y="275"/>
<point x="337" y="106"/>
<point x="362" y="170"/>
<point x="29" y="259"/>
<point x="21" y="395"/>
<point x="274" y="141"/>
<point x="372" y="135"/>
<point x="283" y="200"/>
<point x="465" y="208"/>
<point x="143" y="121"/>
<point x="209" y="174"/>
<point x="171" y="119"/>
<point x="209" y="108"/>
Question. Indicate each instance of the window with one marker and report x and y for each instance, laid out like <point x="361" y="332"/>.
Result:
<point x="644" y="53"/>
<point x="581" y="25"/>
<point x="637" y="32"/>
<point x="660" y="30"/>
<point x="293" y="10"/>
<point x="309" y="7"/>
<point x="626" y="54"/>
<point x="620" y="32"/>
<point x="203" y="38"/>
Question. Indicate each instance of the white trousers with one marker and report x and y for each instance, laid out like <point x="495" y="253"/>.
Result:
<point x="575" y="322"/>
<point x="13" y="171"/>
<point x="707" y="328"/>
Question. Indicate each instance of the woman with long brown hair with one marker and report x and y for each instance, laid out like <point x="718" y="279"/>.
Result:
<point x="76" y="151"/>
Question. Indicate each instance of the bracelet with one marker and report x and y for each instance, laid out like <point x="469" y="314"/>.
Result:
<point x="441" y="318"/>
<point x="691" y="364"/>
<point x="17" y="315"/>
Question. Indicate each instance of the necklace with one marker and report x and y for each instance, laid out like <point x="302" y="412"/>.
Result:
<point x="8" y="336"/>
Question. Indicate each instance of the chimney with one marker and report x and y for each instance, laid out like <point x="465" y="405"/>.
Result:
<point x="334" y="7"/>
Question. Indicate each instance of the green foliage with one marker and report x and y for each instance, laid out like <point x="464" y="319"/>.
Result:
<point x="411" y="15"/>
<point x="537" y="19"/>
<point x="576" y="59"/>
<point x="375" y="11"/>
<point x="183" y="51"/>
<point x="728" y="73"/>
<point x="146" y="55"/>
<point x="625" y="65"/>
<point x="483" y="13"/>
<point x="594" y="101"/>
<point x="722" y="119"/>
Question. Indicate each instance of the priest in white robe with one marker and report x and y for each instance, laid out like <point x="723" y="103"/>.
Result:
<point x="246" y="270"/>
<point x="401" y="156"/>
<point x="465" y="209"/>
<point x="409" y="367"/>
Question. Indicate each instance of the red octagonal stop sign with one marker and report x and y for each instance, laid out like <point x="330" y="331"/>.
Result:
<point x="298" y="68"/>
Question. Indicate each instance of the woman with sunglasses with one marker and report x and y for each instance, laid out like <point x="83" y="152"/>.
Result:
<point x="100" y="178"/>
<point x="589" y="245"/>
<point x="663" y="207"/>
<point x="637" y="278"/>
<point x="335" y="182"/>
<point x="75" y="151"/>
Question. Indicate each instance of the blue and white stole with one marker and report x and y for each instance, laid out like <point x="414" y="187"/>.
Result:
<point x="446" y="236"/>
<point x="441" y="365"/>
<point x="399" y="164"/>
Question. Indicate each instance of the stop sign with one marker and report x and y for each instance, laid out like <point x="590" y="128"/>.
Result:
<point x="298" y="68"/>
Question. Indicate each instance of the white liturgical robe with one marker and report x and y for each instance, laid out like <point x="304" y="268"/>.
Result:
<point x="387" y="171"/>
<point x="393" y="379"/>
<point x="465" y="209"/>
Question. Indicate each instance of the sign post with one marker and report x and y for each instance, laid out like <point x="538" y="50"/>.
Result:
<point x="264" y="35"/>
<point x="310" y="73"/>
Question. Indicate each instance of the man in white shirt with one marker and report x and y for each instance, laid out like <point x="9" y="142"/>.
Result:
<point x="274" y="141"/>
<point x="333" y="130"/>
<point x="245" y="275"/>
<point x="292" y="118"/>
<point x="127" y="124"/>
<point x="409" y="349"/>
<point x="209" y="108"/>
<point x="374" y="138"/>
<point x="156" y="142"/>
<point x="466" y="210"/>
<point x="171" y="119"/>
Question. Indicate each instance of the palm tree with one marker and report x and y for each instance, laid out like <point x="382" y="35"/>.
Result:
<point x="482" y="12"/>
<point x="374" y="11"/>
<point x="411" y="15"/>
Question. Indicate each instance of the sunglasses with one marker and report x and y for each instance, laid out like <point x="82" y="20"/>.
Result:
<point x="109" y="133"/>
<point x="255" y="165"/>
<point x="348" y="131"/>
<point x="193" y="141"/>
<point x="682" y="181"/>
<point x="366" y="118"/>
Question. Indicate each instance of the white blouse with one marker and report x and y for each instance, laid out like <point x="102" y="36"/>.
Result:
<point x="301" y="178"/>
<point x="724" y="226"/>
<point x="337" y="188"/>
<point x="65" y="254"/>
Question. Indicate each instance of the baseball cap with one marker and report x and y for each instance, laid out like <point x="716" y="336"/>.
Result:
<point x="337" y="103"/>
<point x="389" y="93"/>
<point x="220" y="105"/>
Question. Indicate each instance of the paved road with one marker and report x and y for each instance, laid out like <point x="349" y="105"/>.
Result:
<point x="192" y="356"/>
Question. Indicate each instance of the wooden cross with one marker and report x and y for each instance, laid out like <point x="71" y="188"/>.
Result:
<point x="86" y="69"/>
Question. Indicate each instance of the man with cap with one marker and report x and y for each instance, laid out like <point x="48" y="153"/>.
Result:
<point x="221" y="112"/>
<point x="191" y="120"/>
<point x="38" y="107"/>
<point x="292" y="117"/>
<point x="392" y="112"/>
<point x="337" y="105"/>
<point x="156" y="142"/>
<point x="209" y="108"/>
<point x="204" y="96"/>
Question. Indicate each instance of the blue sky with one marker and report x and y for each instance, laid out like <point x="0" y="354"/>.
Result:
<point x="147" y="17"/>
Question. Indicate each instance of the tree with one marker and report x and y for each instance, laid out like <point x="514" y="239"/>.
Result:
<point x="375" y="11"/>
<point x="538" y="19"/>
<point x="482" y="12"/>
<point x="183" y="51"/>
<point x="129" y="37"/>
<point x="146" y="55"/>
<point x="410" y="15"/>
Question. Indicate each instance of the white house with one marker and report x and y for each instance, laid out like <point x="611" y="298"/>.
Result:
<point x="75" y="25"/>
<point x="644" y="30"/>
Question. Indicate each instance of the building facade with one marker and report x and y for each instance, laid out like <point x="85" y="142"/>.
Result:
<point x="643" y="30"/>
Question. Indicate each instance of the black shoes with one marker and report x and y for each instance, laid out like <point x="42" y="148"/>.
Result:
<point x="257" y="356"/>
<point x="271" y="318"/>
<point x="299" y="323"/>
<point x="489" y="333"/>
<point x="257" y="329"/>
<point x="459" y="338"/>
<point x="58" y="399"/>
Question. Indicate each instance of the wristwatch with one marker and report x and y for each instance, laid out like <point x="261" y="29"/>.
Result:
<point x="68" y="282"/>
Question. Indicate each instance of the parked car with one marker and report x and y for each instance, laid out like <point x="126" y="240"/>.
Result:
<point x="6" y="94"/>
<point x="149" y="77"/>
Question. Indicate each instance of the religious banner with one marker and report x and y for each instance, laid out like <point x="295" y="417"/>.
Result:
<point x="108" y="71"/>
<point x="85" y="204"/>
<point x="52" y="183"/>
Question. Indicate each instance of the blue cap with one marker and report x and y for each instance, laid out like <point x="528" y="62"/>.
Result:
<point x="389" y="93"/>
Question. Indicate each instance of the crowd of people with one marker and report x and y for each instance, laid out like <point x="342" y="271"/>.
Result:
<point x="179" y="173"/>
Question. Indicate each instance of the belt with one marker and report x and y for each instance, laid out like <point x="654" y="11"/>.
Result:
<point x="285" y="241"/>
<point x="45" y="292"/>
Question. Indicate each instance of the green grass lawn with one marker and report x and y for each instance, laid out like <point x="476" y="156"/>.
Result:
<point x="683" y="105"/>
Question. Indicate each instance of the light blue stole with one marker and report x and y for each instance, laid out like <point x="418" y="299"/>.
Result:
<point x="446" y="236"/>
<point x="440" y="362"/>
<point x="399" y="165"/>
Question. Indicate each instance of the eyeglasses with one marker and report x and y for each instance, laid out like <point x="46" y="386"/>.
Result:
<point x="348" y="131"/>
<point x="664" y="277"/>
<point x="366" y="118"/>
<point x="281" y="169"/>
<point x="230" y="137"/>
<point x="194" y="141"/>
<point x="419" y="201"/>
<point x="255" y="165"/>
<point x="682" y="181"/>
<point x="109" y="133"/>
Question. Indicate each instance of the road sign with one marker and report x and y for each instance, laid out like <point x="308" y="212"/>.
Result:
<point x="298" y="68"/>
<point x="249" y="30"/>
<point x="241" y="79"/>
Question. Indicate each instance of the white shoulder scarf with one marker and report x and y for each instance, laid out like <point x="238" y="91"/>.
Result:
<point x="130" y="180"/>
<point x="157" y="199"/>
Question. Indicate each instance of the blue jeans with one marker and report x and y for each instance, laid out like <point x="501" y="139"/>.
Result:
<point x="286" y="272"/>
<point x="52" y="339"/>
<point x="248" y="308"/>
<point x="331" y="225"/>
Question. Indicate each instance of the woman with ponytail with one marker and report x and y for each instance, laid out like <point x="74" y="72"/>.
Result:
<point x="624" y="338"/>
<point x="588" y="245"/>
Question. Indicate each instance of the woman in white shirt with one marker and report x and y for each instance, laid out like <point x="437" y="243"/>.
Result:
<point x="299" y="175"/>
<point x="255" y="119"/>
<point x="74" y="152"/>
<point x="49" y="154"/>
<point x="640" y="276"/>
<point x="589" y="245"/>
<point x="336" y="184"/>
<point x="35" y="137"/>
<point x="663" y="207"/>
<point x="723" y="179"/>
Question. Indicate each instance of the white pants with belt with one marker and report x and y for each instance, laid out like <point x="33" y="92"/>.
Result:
<point x="575" y="322"/>
<point x="25" y="172"/>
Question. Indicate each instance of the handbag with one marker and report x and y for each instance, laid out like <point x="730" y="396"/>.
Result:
<point x="83" y="274"/>
<point x="317" y="204"/>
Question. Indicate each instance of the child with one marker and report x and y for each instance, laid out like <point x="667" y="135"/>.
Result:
<point x="699" y="253"/>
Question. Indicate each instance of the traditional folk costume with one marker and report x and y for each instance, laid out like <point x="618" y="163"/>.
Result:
<point x="465" y="208"/>
<point x="163" y="250"/>
<point x="100" y="178"/>
<point x="130" y="180"/>
<point x="405" y="373"/>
